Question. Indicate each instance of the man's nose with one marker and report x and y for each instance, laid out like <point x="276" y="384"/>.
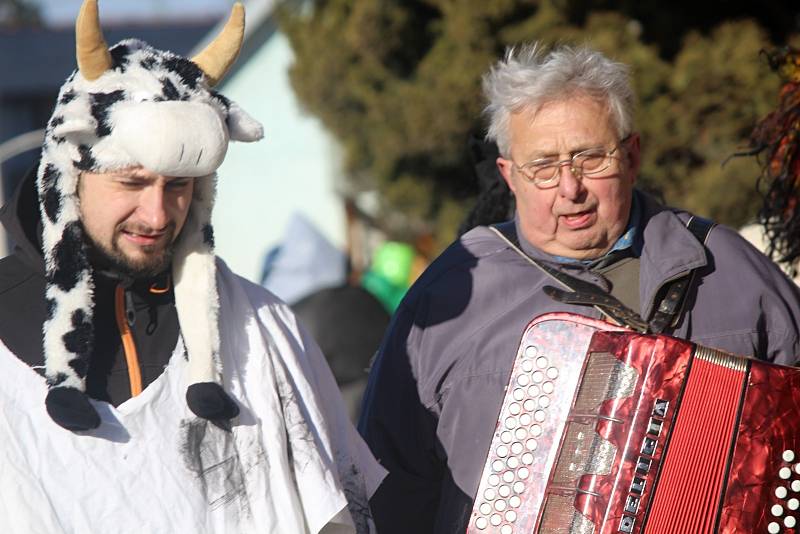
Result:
<point x="152" y="208"/>
<point x="570" y="185"/>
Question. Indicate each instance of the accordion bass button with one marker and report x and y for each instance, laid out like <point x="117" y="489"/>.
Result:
<point x="506" y="529"/>
<point x="481" y="523"/>
<point x="796" y="486"/>
<point x="781" y="492"/>
<point x="531" y="351"/>
<point x="790" y="521"/>
<point x="788" y="455"/>
<point x="485" y="508"/>
<point x="511" y="516"/>
<point x="777" y="510"/>
<point x="793" y="504"/>
<point x="773" y="528"/>
<point x="785" y="473"/>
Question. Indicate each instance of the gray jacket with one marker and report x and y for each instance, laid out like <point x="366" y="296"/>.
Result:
<point x="438" y="381"/>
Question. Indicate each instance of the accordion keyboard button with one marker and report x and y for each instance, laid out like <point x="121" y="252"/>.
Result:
<point x="525" y="419"/>
<point x="531" y="351"/>
<point x="533" y="390"/>
<point x="542" y="362"/>
<point x="523" y="473"/>
<point x="486" y="508"/>
<point x="500" y="505"/>
<point x="519" y="487"/>
<point x="527" y="458"/>
<point x="527" y="366"/>
<point x="552" y="373"/>
<point x="514" y="502"/>
<point x="529" y="405"/>
<point x="788" y="455"/>
<point x="544" y="401"/>
<point x="493" y="480"/>
<point x="489" y="495"/>
<point x="548" y="387"/>
<point x="511" y="516"/>
<point x="506" y="529"/>
<point x="514" y="408"/>
<point x="520" y="434"/>
<point x="504" y="491"/>
<point x="538" y="376"/>
<point x="506" y="436"/>
<point x="524" y="380"/>
<point x="519" y="394"/>
<point x="512" y="462"/>
<point x="495" y="520"/>
<point x="497" y="466"/>
<point x="502" y="451"/>
<point x="508" y="476"/>
<point x="536" y="431"/>
<point x="517" y="448"/>
<point x="481" y="523"/>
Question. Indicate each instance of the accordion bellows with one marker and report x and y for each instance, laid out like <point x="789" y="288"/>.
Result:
<point x="603" y="430"/>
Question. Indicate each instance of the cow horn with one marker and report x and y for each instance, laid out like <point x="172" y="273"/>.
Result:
<point x="90" y="47"/>
<point x="219" y="55"/>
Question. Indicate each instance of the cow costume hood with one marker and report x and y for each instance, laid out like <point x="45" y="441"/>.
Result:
<point x="125" y="106"/>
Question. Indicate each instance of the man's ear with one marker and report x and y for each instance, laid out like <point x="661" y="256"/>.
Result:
<point x="634" y="155"/>
<point x="505" y="167"/>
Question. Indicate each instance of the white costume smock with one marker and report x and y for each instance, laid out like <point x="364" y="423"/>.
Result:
<point x="291" y="463"/>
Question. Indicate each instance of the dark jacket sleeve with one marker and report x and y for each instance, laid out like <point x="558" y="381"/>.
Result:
<point x="401" y="432"/>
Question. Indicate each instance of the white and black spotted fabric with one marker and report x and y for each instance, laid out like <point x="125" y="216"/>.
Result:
<point x="153" y="109"/>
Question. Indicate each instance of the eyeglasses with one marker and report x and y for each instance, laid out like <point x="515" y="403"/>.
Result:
<point x="545" y="172"/>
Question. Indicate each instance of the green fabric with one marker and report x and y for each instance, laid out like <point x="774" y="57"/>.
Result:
<point x="387" y="278"/>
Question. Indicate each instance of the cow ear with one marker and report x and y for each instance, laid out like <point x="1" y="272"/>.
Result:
<point x="243" y="127"/>
<point x="70" y="127"/>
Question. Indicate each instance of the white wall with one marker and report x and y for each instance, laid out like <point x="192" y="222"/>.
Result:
<point x="293" y="168"/>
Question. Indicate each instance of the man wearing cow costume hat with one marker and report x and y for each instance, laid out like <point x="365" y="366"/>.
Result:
<point x="146" y="386"/>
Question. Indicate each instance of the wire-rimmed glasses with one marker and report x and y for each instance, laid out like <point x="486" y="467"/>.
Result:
<point x="545" y="172"/>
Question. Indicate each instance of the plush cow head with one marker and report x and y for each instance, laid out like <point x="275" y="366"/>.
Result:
<point x="124" y="106"/>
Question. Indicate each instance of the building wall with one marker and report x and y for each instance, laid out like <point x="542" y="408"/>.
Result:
<point x="294" y="168"/>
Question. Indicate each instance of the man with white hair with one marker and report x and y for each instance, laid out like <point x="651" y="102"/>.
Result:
<point x="146" y="387"/>
<point x="563" y="123"/>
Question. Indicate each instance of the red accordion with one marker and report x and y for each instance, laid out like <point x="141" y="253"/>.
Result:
<point x="603" y="430"/>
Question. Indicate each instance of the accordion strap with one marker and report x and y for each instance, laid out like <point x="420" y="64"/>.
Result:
<point x="587" y="294"/>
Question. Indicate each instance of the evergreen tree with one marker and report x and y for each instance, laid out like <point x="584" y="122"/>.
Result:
<point x="398" y="83"/>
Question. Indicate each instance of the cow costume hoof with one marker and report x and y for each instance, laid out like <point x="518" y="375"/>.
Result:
<point x="71" y="409"/>
<point x="209" y="401"/>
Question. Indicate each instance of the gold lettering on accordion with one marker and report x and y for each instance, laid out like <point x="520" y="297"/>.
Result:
<point x="643" y="465"/>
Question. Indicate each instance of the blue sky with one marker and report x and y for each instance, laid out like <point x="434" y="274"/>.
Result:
<point x="62" y="12"/>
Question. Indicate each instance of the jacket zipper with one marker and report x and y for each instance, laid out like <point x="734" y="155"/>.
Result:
<point x="126" y="316"/>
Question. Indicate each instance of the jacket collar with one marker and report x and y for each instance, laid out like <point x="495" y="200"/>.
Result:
<point x="669" y="250"/>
